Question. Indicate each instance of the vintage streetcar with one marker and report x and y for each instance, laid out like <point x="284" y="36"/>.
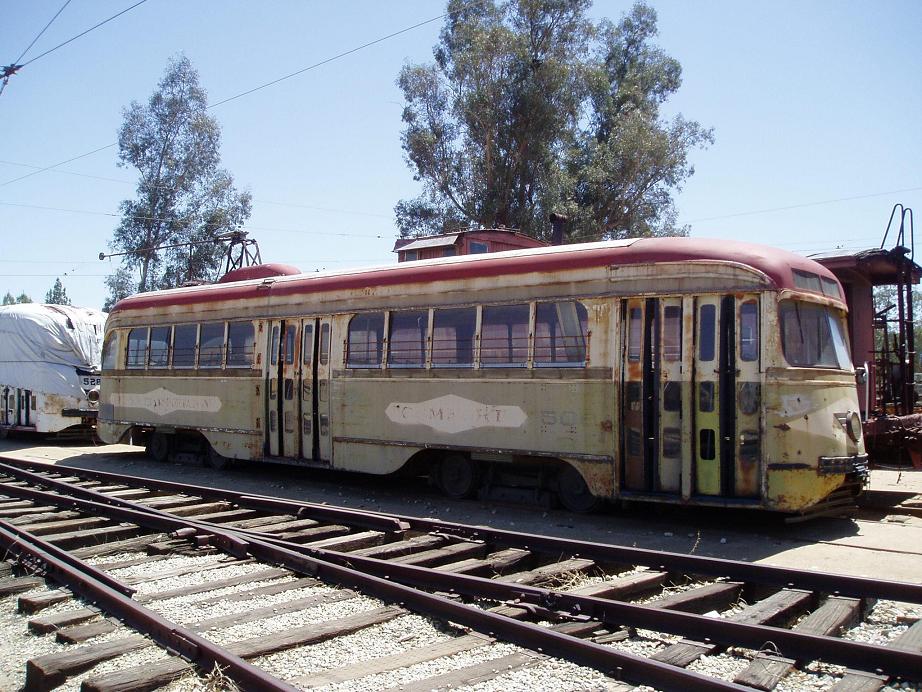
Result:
<point x="663" y="369"/>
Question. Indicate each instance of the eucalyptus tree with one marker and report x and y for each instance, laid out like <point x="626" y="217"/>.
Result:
<point x="530" y="107"/>
<point x="182" y="194"/>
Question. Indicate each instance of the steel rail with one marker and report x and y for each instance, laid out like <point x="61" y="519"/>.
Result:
<point x="728" y="633"/>
<point x="709" y="630"/>
<point x="190" y="645"/>
<point x="543" y="640"/>
<point x="311" y="510"/>
<point x="75" y="563"/>
<point x="784" y="577"/>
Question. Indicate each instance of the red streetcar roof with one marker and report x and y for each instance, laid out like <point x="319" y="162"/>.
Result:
<point x="776" y="264"/>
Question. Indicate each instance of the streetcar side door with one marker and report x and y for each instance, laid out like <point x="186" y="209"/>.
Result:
<point x="283" y="372"/>
<point x="273" y="398"/>
<point x="323" y="387"/>
<point x="707" y="390"/>
<point x="654" y="395"/>
<point x="315" y="390"/>
<point x="728" y="397"/>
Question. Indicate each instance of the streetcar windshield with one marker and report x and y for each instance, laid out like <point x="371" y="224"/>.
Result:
<point x="812" y="336"/>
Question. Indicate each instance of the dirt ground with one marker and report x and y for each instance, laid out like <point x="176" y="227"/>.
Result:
<point x="892" y="526"/>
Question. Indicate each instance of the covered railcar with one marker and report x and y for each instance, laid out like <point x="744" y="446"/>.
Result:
<point x="671" y="369"/>
<point x="49" y="367"/>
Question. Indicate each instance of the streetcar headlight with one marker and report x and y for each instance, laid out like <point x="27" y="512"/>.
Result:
<point x="93" y="396"/>
<point x="853" y="425"/>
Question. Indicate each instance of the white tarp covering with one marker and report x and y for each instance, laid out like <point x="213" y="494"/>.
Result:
<point x="42" y="345"/>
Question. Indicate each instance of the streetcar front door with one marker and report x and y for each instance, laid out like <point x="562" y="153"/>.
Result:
<point x="282" y="401"/>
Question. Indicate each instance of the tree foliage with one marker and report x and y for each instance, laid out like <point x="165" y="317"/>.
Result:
<point x="57" y="294"/>
<point x="8" y="299"/>
<point x="182" y="196"/>
<point x="531" y="108"/>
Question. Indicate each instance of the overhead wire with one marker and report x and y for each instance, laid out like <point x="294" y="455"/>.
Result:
<point x="50" y="22"/>
<point x="82" y="33"/>
<point x="254" y="89"/>
<point x="141" y="217"/>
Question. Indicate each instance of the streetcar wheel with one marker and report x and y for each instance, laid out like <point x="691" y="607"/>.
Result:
<point x="215" y="460"/>
<point x="573" y="492"/>
<point x="458" y="476"/>
<point x="158" y="446"/>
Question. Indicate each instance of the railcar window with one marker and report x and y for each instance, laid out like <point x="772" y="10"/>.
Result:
<point x="109" y="352"/>
<point x="291" y="338"/>
<point x="241" y="344"/>
<point x="406" y="345"/>
<point x="808" y="281"/>
<point x="672" y="332"/>
<point x="137" y="347"/>
<point x="159" y="351"/>
<point x="185" y="337"/>
<point x="324" y="344"/>
<point x="504" y="335"/>
<point x="707" y="320"/>
<point x="366" y="337"/>
<point x="274" y="347"/>
<point x="635" y="333"/>
<point x="749" y="331"/>
<point x="307" y="348"/>
<point x="560" y="333"/>
<point x="831" y="288"/>
<point x="211" y="345"/>
<point x="812" y="336"/>
<point x="453" y="337"/>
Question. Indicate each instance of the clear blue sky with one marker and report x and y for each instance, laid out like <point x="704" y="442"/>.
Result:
<point x="810" y="102"/>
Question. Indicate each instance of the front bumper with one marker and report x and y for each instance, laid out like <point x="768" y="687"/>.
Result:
<point x="856" y="464"/>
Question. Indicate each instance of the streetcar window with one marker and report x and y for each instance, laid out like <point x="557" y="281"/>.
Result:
<point x="707" y="320"/>
<point x="137" y="347"/>
<point x="307" y="348"/>
<point x="211" y="345"/>
<point x="831" y="288"/>
<point x="184" y="339"/>
<point x="109" y="352"/>
<point x="808" y="281"/>
<point x="749" y="331"/>
<point x="324" y="344"/>
<point x="504" y="335"/>
<point x="274" y="347"/>
<point x="812" y="336"/>
<point x="241" y="344"/>
<point x="291" y="337"/>
<point x="366" y="337"/>
<point x="560" y="333"/>
<point x="672" y="332"/>
<point x="406" y="344"/>
<point x="477" y="248"/>
<point x="707" y="444"/>
<point x="453" y="336"/>
<point x="635" y="334"/>
<point x="159" y="351"/>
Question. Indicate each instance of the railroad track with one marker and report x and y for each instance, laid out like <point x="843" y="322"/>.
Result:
<point x="276" y="594"/>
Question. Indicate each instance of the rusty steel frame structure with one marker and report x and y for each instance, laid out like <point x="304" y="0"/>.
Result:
<point x="402" y="584"/>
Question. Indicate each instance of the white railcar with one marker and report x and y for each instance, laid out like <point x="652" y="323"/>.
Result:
<point x="49" y="367"/>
